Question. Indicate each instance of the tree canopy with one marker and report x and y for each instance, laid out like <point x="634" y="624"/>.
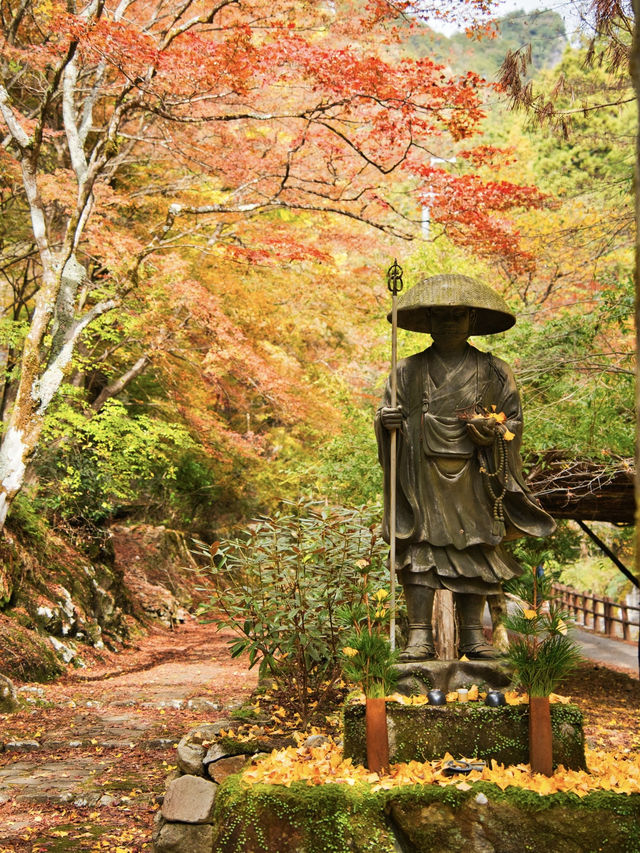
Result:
<point x="162" y="163"/>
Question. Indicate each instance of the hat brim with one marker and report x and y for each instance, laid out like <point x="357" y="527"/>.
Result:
<point x="492" y="314"/>
<point x="487" y="321"/>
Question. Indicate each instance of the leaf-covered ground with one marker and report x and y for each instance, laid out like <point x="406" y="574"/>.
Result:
<point x="107" y="737"/>
<point x="610" y="702"/>
<point x="617" y="772"/>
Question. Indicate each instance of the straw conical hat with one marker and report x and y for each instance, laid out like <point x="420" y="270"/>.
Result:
<point x="492" y="312"/>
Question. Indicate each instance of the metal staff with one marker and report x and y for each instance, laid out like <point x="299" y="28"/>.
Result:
<point x="394" y="283"/>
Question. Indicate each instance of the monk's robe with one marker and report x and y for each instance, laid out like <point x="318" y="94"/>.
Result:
<point x="447" y="533"/>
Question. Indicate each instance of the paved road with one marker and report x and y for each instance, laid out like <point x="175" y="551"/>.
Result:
<point x="601" y="649"/>
<point x="608" y="652"/>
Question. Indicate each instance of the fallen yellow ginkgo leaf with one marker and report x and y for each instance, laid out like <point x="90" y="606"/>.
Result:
<point x="325" y="764"/>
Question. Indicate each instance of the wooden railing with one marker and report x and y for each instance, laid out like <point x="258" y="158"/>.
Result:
<point x="599" y="613"/>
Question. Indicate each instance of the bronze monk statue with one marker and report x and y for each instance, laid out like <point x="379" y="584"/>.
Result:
<point x="460" y="485"/>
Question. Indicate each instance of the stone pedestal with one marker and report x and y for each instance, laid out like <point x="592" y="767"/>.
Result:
<point x="418" y="678"/>
<point x="470" y="730"/>
<point x="420" y="819"/>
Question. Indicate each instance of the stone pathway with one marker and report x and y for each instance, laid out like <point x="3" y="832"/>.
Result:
<point x="83" y="765"/>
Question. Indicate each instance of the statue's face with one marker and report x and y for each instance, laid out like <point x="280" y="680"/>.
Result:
<point x="450" y="323"/>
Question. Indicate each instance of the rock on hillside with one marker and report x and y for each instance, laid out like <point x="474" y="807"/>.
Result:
<point x="58" y="600"/>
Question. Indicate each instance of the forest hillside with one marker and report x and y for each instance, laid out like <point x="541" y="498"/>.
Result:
<point x="542" y="28"/>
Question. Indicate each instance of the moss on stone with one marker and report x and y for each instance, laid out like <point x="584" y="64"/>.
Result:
<point x="419" y="819"/>
<point x="472" y="730"/>
<point x="515" y="820"/>
<point x="25" y="655"/>
<point x="313" y="819"/>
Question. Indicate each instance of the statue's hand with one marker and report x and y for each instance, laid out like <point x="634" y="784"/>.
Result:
<point x="482" y="431"/>
<point x="391" y="417"/>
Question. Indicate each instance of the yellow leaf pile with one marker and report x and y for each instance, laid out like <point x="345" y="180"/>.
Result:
<point x="417" y="699"/>
<point x="314" y="765"/>
<point x="321" y="765"/>
<point x="243" y="734"/>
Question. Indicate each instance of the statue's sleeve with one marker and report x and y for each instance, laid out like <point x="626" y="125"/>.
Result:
<point x="522" y="509"/>
<point x="509" y="402"/>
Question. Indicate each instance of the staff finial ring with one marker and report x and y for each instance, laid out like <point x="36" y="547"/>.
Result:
<point x="394" y="278"/>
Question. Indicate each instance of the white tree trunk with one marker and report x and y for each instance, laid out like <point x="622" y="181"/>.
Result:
<point x="13" y="465"/>
<point x="39" y="383"/>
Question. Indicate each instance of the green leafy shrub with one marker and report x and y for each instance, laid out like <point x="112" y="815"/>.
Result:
<point x="282" y="588"/>
<point x="348" y="463"/>
<point x="577" y="385"/>
<point x="110" y="461"/>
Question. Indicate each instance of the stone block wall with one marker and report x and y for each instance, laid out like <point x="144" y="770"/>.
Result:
<point x="208" y="809"/>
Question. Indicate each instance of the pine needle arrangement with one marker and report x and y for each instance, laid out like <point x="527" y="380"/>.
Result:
<point x="367" y="659"/>
<point x="542" y="653"/>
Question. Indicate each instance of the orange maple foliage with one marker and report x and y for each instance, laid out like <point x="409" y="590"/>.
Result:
<point x="265" y="106"/>
<point x="168" y="148"/>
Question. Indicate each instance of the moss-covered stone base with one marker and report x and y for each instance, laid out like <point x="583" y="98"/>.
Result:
<point x="419" y="819"/>
<point x="304" y="819"/>
<point x="427" y="732"/>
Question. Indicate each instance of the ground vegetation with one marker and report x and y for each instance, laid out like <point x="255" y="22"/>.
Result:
<point x="148" y="689"/>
